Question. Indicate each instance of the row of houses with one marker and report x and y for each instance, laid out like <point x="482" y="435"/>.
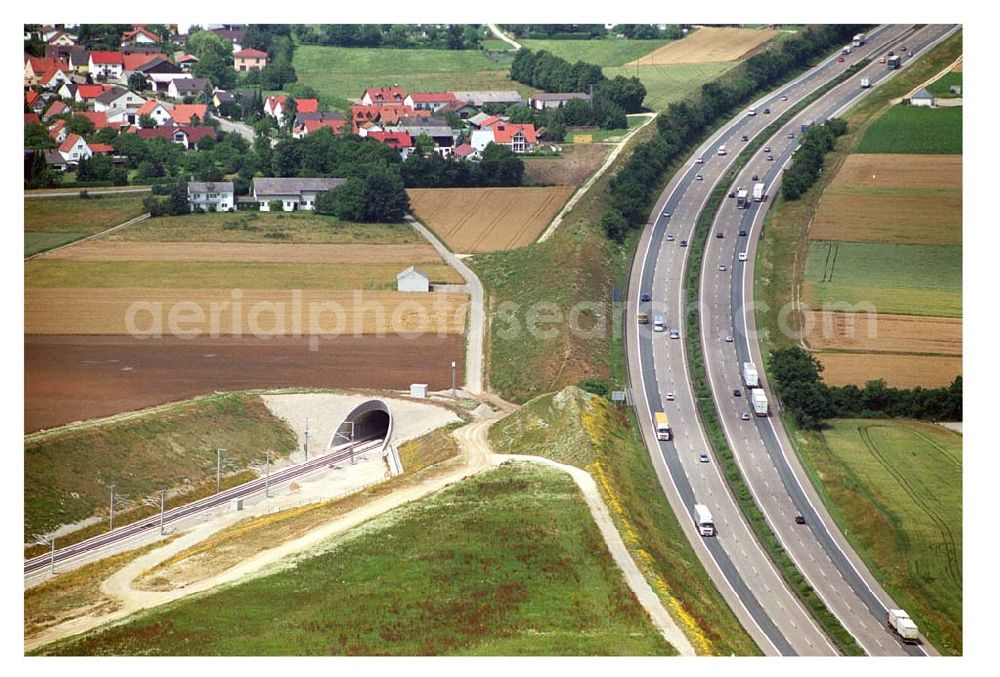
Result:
<point x="294" y="194"/>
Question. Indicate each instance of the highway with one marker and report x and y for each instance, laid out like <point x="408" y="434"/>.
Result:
<point x="760" y="444"/>
<point x="116" y="536"/>
<point x="658" y="373"/>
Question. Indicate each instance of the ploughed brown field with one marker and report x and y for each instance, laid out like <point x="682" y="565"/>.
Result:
<point x="901" y="371"/>
<point x="574" y="167"/>
<point x="885" y="333"/>
<point x="707" y="44"/>
<point x="73" y="378"/>
<point x="473" y="220"/>
<point x="246" y="252"/>
<point x="893" y="198"/>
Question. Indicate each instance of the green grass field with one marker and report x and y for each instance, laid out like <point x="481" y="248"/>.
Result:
<point x="51" y="222"/>
<point x="291" y="227"/>
<point x="906" y="129"/>
<point x="67" y="473"/>
<point x="573" y="427"/>
<point x="225" y="275"/>
<point x="940" y="86"/>
<point x="342" y="73"/>
<point x="904" y="279"/>
<point x="895" y="490"/>
<point x="667" y="84"/>
<point x="508" y="562"/>
<point x="604" y="53"/>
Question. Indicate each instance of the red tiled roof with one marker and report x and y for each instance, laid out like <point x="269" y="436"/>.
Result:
<point x="182" y="112"/>
<point x="57" y="108"/>
<point x="101" y="148"/>
<point x="136" y="59"/>
<point x="31" y="96"/>
<point x="92" y="91"/>
<point x="272" y="100"/>
<point x="107" y="57"/>
<point x="56" y="127"/>
<point x="381" y="95"/>
<point x="504" y="132"/>
<point x="250" y="53"/>
<point x="100" y="120"/>
<point x="194" y="134"/>
<point x="41" y="64"/>
<point x="393" y="139"/>
<point x="148" y="107"/>
<point x="490" y="121"/>
<point x="46" y="78"/>
<point x="140" y="30"/>
<point x="311" y="126"/>
<point x="464" y="149"/>
<point x="32" y="117"/>
<point x="68" y="144"/>
<point x="186" y="58"/>
<point x="306" y="105"/>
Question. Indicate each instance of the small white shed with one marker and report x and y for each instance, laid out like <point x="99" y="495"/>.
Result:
<point x="413" y="279"/>
<point x="922" y="98"/>
<point x="418" y="390"/>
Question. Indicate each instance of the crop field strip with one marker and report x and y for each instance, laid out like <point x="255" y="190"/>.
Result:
<point x="885" y="333"/>
<point x="52" y="222"/>
<point x="909" y="129"/>
<point x="477" y="220"/>
<point x="607" y="52"/>
<point x="707" y="44"/>
<point x="897" y="370"/>
<point x="671" y="83"/>
<point x="226" y="275"/>
<point x="90" y="311"/>
<point x="248" y="252"/>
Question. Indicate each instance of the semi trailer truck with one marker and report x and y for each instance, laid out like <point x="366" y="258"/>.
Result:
<point x="703" y="519"/>
<point x="858" y="40"/>
<point x="901" y="624"/>
<point x="759" y="401"/>
<point x="750" y="375"/>
<point x="741" y="199"/>
<point x="758" y="192"/>
<point x="662" y="426"/>
<point x="865" y="83"/>
<point x="894" y="62"/>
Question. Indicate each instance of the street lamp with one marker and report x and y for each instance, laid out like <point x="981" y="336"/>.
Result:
<point x="111" y="519"/>
<point x="51" y="542"/>
<point x="218" y="469"/>
<point x="453" y="395"/>
<point x="306" y="446"/>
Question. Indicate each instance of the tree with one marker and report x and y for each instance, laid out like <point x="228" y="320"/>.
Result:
<point x="137" y="82"/>
<point x="385" y="197"/>
<point x="215" y="58"/>
<point x="147" y="121"/>
<point x="614" y="225"/>
<point x="80" y="124"/>
<point x="118" y="176"/>
<point x="37" y="136"/>
<point x="500" y="167"/>
<point x="346" y="201"/>
<point x="36" y="171"/>
<point x="424" y="145"/>
<point x="456" y="36"/>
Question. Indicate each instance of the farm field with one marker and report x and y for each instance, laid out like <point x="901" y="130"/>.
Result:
<point x="906" y="129"/>
<point x="895" y="489"/>
<point x="577" y="163"/>
<point x="603" y="135"/>
<point x="899" y="371"/>
<point x="551" y="588"/>
<point x="51" y="222"/>
<point x="893" y="199"/>
<point x="897" y="279"/>
<point x="421" y="70"/>
<point x="476" y="220"/>
<point x="67" y="473"/>
<point x="260" y="313"/>
<point x="73" y="378"/>
<point x="608" y="52"/>
<point x="707" y="44"/>
<point x="246" y="252"/>
<point x="885" y="333"/>
<point x="669" y="83"/>
<point x="225" y="275"/>
<point x="265" y="227"/>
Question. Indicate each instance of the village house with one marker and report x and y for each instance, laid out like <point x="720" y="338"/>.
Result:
<point x="74" y="149"/>
<point x="444" y="137"/>
<point x="380" y="96"/>
<point x="460" y="108"/>
<point x="181" y="87"/>
<point x="62" y="39"/>
<point x="57" y="108"/>
<point x="87" y="93"/>
<point x="294" y="193"/>
<point x="490" y="98"/>
<point x="221" y="96"/>
<point x="107" y="65"/>
<point x="35" y="67"/>
<point x="140" y="36"/>
<point x="211" y="197"/>
<point x="249" y="59"/>
<point x="519" y="138"/>
<point x="413" y="279"/>
<point x="187" y="62"/>
<point x="401" y="142"/>
<point x="160" y="73"/>
<point x="183" y="135"/>
<point x="184" y="113"/>
<point x="275" y="106"/>
<point x="432" y="101"/>
<point x="155" y="110"/>
<point x="545" y="100"/>
<point x="57" y="130"/>
<point x="117" y="97"/>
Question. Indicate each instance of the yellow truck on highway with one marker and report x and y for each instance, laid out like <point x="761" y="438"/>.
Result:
<point x="662" y="426"/>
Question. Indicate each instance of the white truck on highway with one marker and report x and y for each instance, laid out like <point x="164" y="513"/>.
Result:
<point x="722" y="149"/>
<point x="758" y="192"/>
<point x="703" y="519"/>
<point x="865" y="83"/>
<point x="750" y="375"/>
<point x="900" y="623"/>
<point x="759" y="401"/>
<point x="858" y="40"/>
<point x="741" y="199"/>
<point x="662" y="426"/>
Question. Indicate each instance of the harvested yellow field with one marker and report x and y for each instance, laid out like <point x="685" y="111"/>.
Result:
<point x="958" y="67"/>
<point x="885" y="333"/>
<point x="894" y="199"/>
<point x="475" y="220"/>
<point x="247" y="252"/>
<point x="707" y="44"/>
<point x="251" y="312"/>
<point x="900" y="371"/>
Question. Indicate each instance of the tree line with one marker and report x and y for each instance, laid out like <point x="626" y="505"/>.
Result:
<point x="809" y="158"/>
<point x="399" y="36"/>
<point x="551" y="73"/>
<point x="593" y="31"/>
<point x="685" y="122"/>
<point x="796" y="375"/>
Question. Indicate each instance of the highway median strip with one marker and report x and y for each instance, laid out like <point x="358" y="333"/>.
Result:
<point x="844" y="641"/>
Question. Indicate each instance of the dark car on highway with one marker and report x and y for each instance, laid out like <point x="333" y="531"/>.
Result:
<point x="799" y="519"/>
<point x="736" y="392"/>
<point x="644" y="298"/>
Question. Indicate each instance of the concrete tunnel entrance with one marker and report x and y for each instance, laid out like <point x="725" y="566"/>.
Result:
<point x="371" y="420"/>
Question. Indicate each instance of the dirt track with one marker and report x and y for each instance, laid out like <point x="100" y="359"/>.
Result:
<point x="71" y="378"/>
